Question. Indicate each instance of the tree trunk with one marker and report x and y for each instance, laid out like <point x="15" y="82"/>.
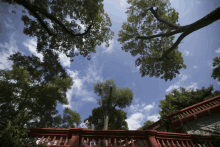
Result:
<point x="106" y="126"/>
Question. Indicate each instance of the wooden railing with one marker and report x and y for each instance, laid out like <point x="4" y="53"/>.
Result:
<point x="147" y="138"/>
<point x="194" y="112"/>
<point x="157" y="126"/>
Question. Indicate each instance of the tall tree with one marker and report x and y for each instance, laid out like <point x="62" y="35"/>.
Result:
<point x="146" y="124"/>
<point x="216" y="69"/>
<point x="29" y="95"/>
<point x="158" y="57"/>
<point x="175" y="101"/>
<point x="53" y="31"/>
<point x="112" y="96"/>
<point x="116" y="121"/>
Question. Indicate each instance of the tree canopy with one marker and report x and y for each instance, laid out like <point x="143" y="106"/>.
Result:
<point x="112" y="97"/>
<point x="116" y="120"/>
<point x="149" y="32"/>
<point x="54" y="31"/>
<point x="216" y="69"/>
<point x="177" y="100"/>
<point x="146" y="124"/>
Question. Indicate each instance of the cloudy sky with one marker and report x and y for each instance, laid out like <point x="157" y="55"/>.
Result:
<point x="198" y="50"/>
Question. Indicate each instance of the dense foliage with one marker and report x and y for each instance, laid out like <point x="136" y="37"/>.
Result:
<point x="49" y="23"/>
<point x="177" y="100"/>
<point x="149" y="32"/>
<point x="112" y="97"/>
<point x="116" y="121"/>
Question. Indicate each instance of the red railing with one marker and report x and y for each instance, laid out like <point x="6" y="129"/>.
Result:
<point x="157" y="126"/>
<point x="148" y="138"/>
<point x="193" y="112"/>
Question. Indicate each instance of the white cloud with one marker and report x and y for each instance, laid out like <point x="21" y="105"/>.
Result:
<point x="217" y="51"/>
<point x="148" y="107"/>
<point x="195" y="66"/>
<point x="184" y="77"/>
<point x="187" y="53"/>
<point x="210" y="64"/>
<point x="31" y="44"/>
<point x="134" y="121"/>
<point x="123" y="2"/>
<point x="192" y="86"/>
<point x="153" y="117"/>
<point x="173" y="86"/>
<point x="108" y="49"/>
<point x="6" y="50"/>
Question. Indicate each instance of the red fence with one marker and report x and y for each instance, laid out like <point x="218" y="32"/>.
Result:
<point x="157" y="126"/>
<point x="194" y="112"/>
<point x="190" y="113"/>
<point x="148" y="138"/>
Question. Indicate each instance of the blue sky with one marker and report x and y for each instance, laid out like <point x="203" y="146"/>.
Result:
<point x="198" y="50"/>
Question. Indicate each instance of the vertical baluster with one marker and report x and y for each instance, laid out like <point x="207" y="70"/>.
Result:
<point x="158" y="142"/>
<point x="87" y="141"/>
<point x="168" y="143"/>
<point x="173" y="144"/>
<point x="132" y="142"/>
<point x="99" y="142"/>
<point x="163" y="142"/>
<point x="47" y="140"/>
<point x="104" y="142"/>
<point x="66" y="141"/>
<point x="52" y="142"/>
<point x="183" y="144"/>
<point x="178" y="143"/>
<point x="187" y="144"/>
<point x="92" y="141"/>
<point x="41" y="140"/>
<point x="115" y="144"/>
<point x="82" y="141"/>
<point x="120" y="142"/>
<point x="192" y="144"/>
<point x="126" y="141"/>
<point x="109" y="142"/>
<point x="61" y="138"/>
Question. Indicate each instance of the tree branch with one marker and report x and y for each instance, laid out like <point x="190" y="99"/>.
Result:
<point x="163" y="20"/>
<point x="33" y="8"/>
<point x="205" y="21"/>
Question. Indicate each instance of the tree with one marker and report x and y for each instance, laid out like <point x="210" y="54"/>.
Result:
<point x="116" y="121"/>
<point x="158" y="57"/>
<point x="53" y="31"/>
<point x="112" y="97"/>
<point x="146" y="124"/>
<point x="175" y="101"/>
<point x="70" y="117"/>
<point x="216" y="70"/>
<point x="28" y="96"/>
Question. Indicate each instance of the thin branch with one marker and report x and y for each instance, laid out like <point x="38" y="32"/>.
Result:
<point x="205" y="21"/>
<point x="33" y="8"/>
<point x="20" y="107"/>
<point x="163" y="20"/>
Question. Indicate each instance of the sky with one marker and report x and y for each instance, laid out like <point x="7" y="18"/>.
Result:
<point x="198" y="50"/>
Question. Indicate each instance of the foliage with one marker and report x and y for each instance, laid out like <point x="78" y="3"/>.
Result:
<point x="14" y="136"/>
<point x="216" y="69"/>
<point x="159" y="56"/>
<point x="29" y="92"/>
<point x="112" y="97"/>
<point x="146" y="124"/>
<point x="116" y="121"/>
<point x="48" y="22"/>
<point x="177" y="100"/>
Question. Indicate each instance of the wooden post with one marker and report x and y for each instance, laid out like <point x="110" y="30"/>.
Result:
<point x="151" y="135"/>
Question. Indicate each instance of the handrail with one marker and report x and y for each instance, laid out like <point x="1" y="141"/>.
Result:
<point x="151" y="138"/>
<point x="195" y="111"/>
<point x="158" y="125"/>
